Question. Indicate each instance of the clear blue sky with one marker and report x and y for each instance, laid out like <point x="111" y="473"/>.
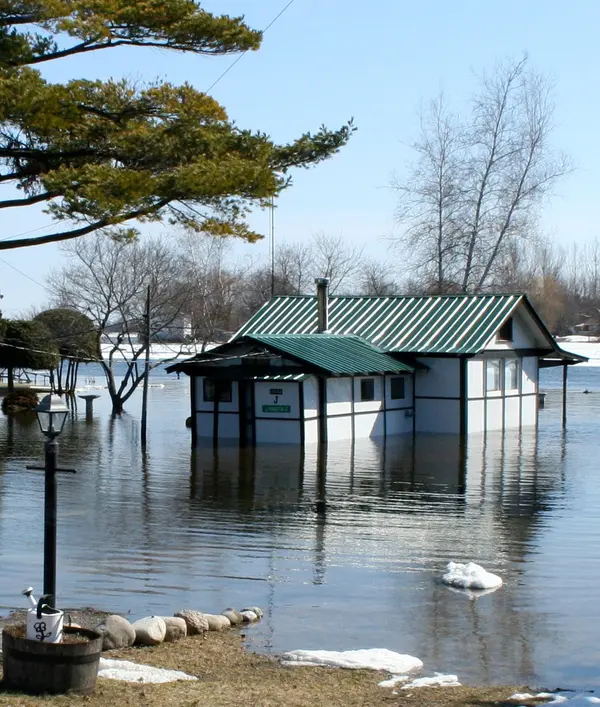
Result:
<point x="325" y="61"/>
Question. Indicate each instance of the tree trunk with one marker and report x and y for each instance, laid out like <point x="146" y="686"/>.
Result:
<point x="11" y="379"/>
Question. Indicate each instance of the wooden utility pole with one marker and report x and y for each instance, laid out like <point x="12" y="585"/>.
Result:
<point x="146" y="368"/>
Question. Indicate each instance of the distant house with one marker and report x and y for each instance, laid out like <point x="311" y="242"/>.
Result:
<point x="308" y="369"/>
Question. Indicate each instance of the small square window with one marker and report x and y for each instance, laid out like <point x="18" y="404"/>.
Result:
<point x="492" y="375"/>
<point x="505" y="333"/>
<point x="219" y="388"/>
<point x="397" y="388"/>
<point x="511" y="373"/>
<point x="367" y="389"/>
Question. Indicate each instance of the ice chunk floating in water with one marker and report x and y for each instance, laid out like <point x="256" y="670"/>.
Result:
<point x="366" y="658"/>
<point x="470" y="576"/>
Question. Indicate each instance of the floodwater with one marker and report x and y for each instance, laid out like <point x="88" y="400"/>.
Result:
<point x="342" y="550"/>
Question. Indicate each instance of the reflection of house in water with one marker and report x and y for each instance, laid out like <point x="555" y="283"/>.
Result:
<point x="320" y="369"/>
<point x="393" y="514"/>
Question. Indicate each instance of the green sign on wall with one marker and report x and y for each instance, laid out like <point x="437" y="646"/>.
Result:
<point x="276" y="408"/>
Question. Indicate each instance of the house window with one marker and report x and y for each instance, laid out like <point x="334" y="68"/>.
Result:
<point x="217" y="389"/>
<point x="397" y="388"/>
<point x="492" y="375"/>
<point x="511" y="373"/>
<point x="367" y="389"/>
<point x="505" y="333"/>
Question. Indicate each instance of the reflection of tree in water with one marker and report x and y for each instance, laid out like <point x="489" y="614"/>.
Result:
<point x="510" y="481"/>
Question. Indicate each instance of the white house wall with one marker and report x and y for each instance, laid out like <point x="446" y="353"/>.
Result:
<point x="339" y="396"/>
<point x="475" y="378"/>
<point x="276" y="394"/>
<point x="202" y="405"/>
<point x="501" y="409"/>
<point x="278" y="432"/>
<point x="441" y="380"/>
<point x="310" y="390"/>
<point x="437" y="415"/>
<point x="475" y="416"/>
<point x="530" y="374"/>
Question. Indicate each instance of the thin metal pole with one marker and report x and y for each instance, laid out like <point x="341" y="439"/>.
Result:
<point x="144" y="420"/>
<point x="272" y="239"/>
<point x="51" y="450"/>
<point x="564" y="396"/>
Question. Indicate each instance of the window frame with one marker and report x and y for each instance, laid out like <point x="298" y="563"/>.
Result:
<point x="397" y="380"/>
<point x="225" y="392"/>
<point x="506" y="332"/>
<point x="371" y="382"/>
<point x="515" y="364"/>
<point x="499" y="367"/>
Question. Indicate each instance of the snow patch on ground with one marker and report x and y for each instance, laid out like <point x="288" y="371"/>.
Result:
<point x="470" y="576"/>
<point x="366" y="658"/>
<point x="137" y="672"/>
<point x="438" y="680"/>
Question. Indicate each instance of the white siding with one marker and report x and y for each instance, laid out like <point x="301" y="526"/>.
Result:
<point x="201" y="404"/>
<point x="399" y="422"/>
<point x="441" y="380"/>
<point x="368" y="405"/>
<point x="512" y="413"/>
<point x="529" y="410"/>
<point x="204" y="424"/>
<point x="407" y="401"/>
<point x="278" y="432"/>
<point x="475" y="378"/>
<point x="437" y="416"/>
<point x="311" y="397"/>
<point x="476" y="416"/>
<point x="523" y="338"/>
<point x="229" y="426"/>
<point x="339" y="428"/>
<point x="339" y="396"/>
<point x="264" y="398"/>
<point x="369" y="425"/>
<point x="311" y="431"/>
<point x="529" y="368"/>
<point x="494" y="414"/>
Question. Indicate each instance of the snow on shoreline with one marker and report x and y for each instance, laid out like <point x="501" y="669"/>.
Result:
<point x="583" y="346"/>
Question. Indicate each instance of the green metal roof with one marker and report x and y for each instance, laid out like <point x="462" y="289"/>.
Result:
<point x="336" y="355"/>
<point x="451" y="324"/>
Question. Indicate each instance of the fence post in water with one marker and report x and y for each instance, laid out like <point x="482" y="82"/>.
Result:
<point x="564" y="396"/>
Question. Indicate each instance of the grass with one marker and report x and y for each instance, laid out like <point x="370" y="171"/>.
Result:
<point x="229" y="676"/>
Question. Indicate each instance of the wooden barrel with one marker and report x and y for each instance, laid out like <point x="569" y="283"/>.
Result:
<point x="55" y="668"/>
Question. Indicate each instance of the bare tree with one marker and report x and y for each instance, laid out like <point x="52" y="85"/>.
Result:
<point x="213" y="286"/>
<point x="492" y="172"/>
<point x="431" y="200"/>
<point x="376" y="279"/>
<point x="108" y="280"/>
<point x="335" y="259"/>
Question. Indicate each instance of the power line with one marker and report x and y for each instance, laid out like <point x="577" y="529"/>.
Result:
<point x="243" y="54"/>
<point x="25" y="275"/>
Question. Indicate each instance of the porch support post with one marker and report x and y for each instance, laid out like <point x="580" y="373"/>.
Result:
<point x="564" y="396"/>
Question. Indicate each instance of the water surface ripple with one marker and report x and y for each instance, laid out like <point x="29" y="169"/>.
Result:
<point x="344" y="549"/>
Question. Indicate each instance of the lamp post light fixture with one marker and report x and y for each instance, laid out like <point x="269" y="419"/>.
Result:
<point x="51" y="414"/>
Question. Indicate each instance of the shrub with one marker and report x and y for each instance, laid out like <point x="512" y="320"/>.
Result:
<point x="19" y="400"/>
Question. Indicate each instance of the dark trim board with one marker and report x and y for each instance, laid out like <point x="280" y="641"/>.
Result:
<point x="437" y="397"/>
<point x="301" y="411"/>
<point x="500" y="397"/>
<point x="193" y="382"/>
<point x="463" y="405"/>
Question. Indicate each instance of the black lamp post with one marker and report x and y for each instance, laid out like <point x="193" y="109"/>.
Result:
<point x="51" y="414"/>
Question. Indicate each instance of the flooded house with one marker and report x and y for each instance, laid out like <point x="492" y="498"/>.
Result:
<point x="324" y="368"/>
